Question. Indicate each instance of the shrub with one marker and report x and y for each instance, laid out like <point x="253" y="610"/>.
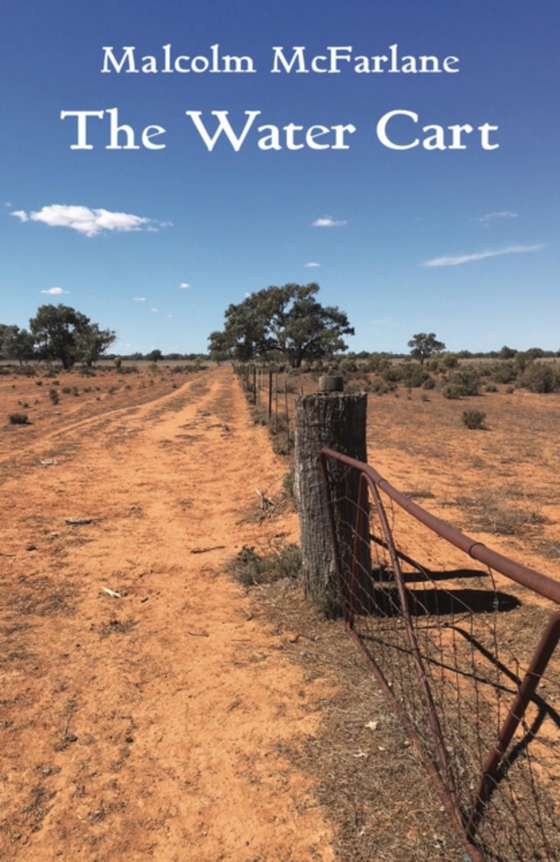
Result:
<point x="391" y="374"/>
<point x="461" y="383"/>
<point x="503" y="372"/>
<point x="250" y="568"/>
<point x="413" y="376"/>
<point x="348" y="366"/>
<point x="327" y="604"/>
<point x="450" y="360"/>
<point x="540" y="377"/>
<point x="18" y="419"/>
<point x="54" y="396"/>
<point x="377" y="362"/>
<point x="474" y="419"/>
<point x="381" y="387"/>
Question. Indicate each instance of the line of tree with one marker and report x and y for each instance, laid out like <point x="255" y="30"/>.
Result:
<point x="56" y="333"/>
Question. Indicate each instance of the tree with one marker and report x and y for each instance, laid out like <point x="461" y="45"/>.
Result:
<point x="425" y="345"/>
<point x="287" y="320"/>
<point x="65" y="334"/>
<point x="92" y="342"/>
<point x="17" y="344"/>
<point x="155" y="355"/>
<point x="507" y="352"/>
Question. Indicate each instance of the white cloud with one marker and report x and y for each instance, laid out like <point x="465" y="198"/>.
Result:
<point x="312" y="264"/>
<point x="89" y="222"/>
<point x="328" y="221"/>
<point x="139" y="299"/>
<point x="184" y="285"/>
<point x="54" y="291"/>
<point x="468" y="258"/>
<point x="155" y="310"/>
<point x="492" y="216"/>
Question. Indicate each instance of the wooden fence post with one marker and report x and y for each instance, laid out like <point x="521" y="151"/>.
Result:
<point x="337" y="421"/>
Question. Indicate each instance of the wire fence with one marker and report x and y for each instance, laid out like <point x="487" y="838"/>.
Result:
<point x="459" y="638"/>
<point x="272" y="391"/>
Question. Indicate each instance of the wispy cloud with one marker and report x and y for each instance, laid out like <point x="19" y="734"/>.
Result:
<point x="184" y="285"/>
<point x="54" y="291"/>
<point x="139" y="299"/>
<point x="88" y="222"/>
<point x="311" y="264"/>
<point x="328" y="221"/>
<point x="468" y="258"/>
<point x="503" y="214"/>
<point x="155" y="310"/>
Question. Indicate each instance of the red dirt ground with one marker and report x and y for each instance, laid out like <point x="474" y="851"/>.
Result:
<point x="145" y="726"/>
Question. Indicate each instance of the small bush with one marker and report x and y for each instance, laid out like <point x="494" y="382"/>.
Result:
<point x="540" y="377"/>
<point x="503" y="372"/>
<point x="450" y="360"/>
<point x="413" y="376"/>
<point x="250" y="568"/>
<point x="54" y="396"/>
<point x="474" y="419"/>
<point x="327" y="604"/>
<point x="18" y="418"/>
<point x="462" y="383"/>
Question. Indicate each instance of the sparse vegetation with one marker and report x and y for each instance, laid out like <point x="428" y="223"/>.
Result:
<point x="19" y="419"/>
<point x="474" y="419"/>
<point x="327" y="604"/>
<point x="251" y="568"/>
<point x="494" y="512"/>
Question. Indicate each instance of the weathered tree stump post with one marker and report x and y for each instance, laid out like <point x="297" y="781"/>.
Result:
<point x="338" y="422"/>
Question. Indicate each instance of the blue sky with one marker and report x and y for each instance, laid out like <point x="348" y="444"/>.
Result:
<point x="156" y="243"/>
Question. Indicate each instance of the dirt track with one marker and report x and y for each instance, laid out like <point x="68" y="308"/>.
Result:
<point x="146" y="726"/>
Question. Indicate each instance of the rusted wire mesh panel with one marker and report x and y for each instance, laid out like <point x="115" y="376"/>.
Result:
<point x="459" y="649"/>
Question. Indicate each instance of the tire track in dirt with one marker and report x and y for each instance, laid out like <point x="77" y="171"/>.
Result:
<point x="147" y="726"/>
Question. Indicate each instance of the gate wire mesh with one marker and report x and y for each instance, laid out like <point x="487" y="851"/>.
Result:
<point x="459" y="649"/>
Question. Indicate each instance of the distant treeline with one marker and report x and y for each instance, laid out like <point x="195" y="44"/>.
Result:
<point x="157" y="356"/>
<point x="503" y="353"/>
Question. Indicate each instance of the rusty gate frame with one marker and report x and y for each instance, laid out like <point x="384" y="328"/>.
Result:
<point x="465" y="823"/>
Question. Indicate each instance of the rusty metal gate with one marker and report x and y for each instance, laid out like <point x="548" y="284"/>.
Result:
<point x="461" y="640"/>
